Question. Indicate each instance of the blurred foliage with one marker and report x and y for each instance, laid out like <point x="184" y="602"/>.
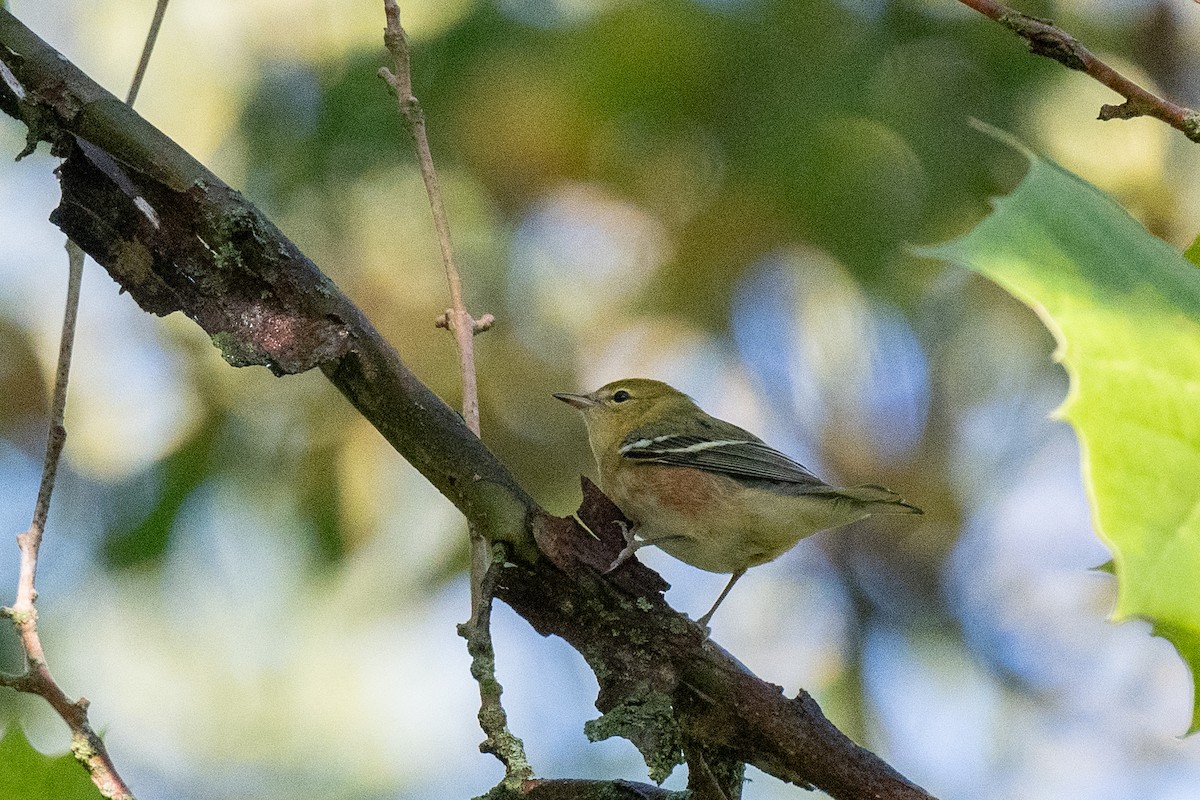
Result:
<point x="24" y="411"/>
<point x="779" y="121"/>
<point x="156" y="497"/>
<point x="1125" y="309"/>
<point x="26" y="774"/>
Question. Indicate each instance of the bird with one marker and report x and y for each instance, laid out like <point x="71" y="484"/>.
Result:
<point x="706" y="491"/>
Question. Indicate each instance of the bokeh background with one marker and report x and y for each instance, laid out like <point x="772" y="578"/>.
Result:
<point x="259" y="596"/>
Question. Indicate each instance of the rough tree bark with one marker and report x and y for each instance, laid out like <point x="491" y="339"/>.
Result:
<point x="177" y="238"/>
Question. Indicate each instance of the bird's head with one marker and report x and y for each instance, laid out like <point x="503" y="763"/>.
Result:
<point x="617" y="409"/>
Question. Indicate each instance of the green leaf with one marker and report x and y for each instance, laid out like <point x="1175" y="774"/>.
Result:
<point x="1125" y="309"/>
<point x="130" y="543"/>
<point x="1192" y="254"/>
<point x="26" y="774"/>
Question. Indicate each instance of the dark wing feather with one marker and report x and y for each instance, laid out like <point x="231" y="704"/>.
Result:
<point x="741" y="458"/>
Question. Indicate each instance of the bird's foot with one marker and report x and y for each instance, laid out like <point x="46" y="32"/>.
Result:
<point x="631" y="546"/>
<point x="703" y="621"/>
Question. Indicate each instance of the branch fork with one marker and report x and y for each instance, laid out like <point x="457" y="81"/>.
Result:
<point x="464" y="322"/>
<point x="1047" y="39"/>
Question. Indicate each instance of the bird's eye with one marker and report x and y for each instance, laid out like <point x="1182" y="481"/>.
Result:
<point x="620" y="396"/>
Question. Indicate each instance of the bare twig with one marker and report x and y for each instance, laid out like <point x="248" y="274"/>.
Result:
<point x="36" y="679"/>
<point x="456" y="319"/>
<point x="87" y="747"/>
<point x="1047" y="39"/>
<point x="135" y="85"/>
<point x="500" y="741"/>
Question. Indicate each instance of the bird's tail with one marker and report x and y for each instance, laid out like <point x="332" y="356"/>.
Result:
<point x="878" y="500"/>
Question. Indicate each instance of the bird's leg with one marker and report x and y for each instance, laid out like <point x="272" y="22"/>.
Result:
<point x="703" y="621"/>
<point x="631" y="546"/>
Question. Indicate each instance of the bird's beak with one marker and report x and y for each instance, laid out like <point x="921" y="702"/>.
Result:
<point x="576" y="400"/>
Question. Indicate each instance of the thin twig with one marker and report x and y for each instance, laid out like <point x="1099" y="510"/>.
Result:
<point x="1047" y="39"/>
<point x="85" y="743"/>
<point x="87" y="747"/>
<point x="135" y="85"/>
<point x="456" y="319"/>
<point x="500" y="741"/>
<point x="30" y="541"/>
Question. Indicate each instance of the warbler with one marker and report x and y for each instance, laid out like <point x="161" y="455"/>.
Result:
<point x="704" y="490"/>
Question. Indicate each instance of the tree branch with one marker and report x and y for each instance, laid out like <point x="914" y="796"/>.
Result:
<point x="500" y="741"/>
<point x="575" y="789"/>
<point x="177" y="238"/>
<point x="1047" y="39"/>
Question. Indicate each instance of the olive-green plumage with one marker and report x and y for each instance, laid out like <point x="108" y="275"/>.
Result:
<point x="704" y="490"/>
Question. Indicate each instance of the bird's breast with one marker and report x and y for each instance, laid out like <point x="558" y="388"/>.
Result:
<point x="696" y="516"/>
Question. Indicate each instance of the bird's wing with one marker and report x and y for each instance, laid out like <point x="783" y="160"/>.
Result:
<point x="742" y="458"/>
